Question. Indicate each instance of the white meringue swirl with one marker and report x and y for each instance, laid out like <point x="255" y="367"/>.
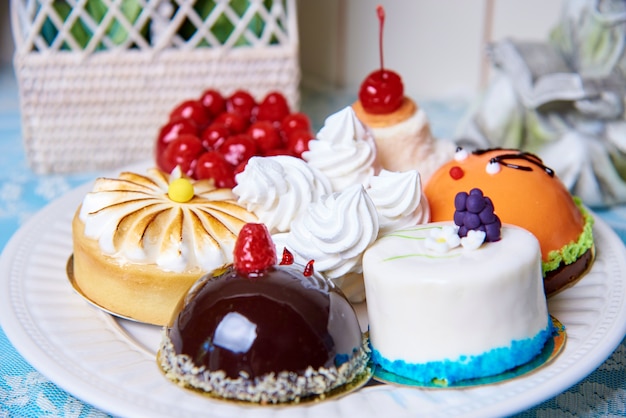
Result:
<point x="279" y="189"/>
<point x="344" y="151"/>
<point x="134" y="220"/>
<point x="398" y="199"/>
<point x="335" y="232"/>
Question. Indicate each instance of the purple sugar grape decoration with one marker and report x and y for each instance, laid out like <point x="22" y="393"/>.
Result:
<point x="474" y="211"/>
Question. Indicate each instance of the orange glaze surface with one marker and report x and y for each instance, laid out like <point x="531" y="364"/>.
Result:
<point x="533" y="200"/>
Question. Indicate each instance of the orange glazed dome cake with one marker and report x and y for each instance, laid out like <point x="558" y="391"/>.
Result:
<point x="527" y="194"/>
<point x="141" y="240"/>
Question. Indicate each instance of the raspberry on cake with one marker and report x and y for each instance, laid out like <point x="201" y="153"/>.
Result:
<point x="527" y="194"/>
<point x="264" y="332"/>
<point x="141" y="240"/>
<point x="456" y="301"/>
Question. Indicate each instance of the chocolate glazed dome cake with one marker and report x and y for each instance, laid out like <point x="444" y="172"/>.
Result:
<point x="262" y="332"/>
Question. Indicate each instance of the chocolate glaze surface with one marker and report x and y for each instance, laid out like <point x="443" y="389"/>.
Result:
<point x="280" y="321"/>
<point x="567" y="275"/>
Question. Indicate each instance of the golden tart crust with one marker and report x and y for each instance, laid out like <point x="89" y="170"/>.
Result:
<point x="142" y="292"/>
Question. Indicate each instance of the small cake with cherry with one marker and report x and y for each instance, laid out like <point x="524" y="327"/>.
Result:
<point x="400" y="127"/>
<point x="263" y="332"/>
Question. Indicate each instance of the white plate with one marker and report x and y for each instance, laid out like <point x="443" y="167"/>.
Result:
<point x="110" y="364"/>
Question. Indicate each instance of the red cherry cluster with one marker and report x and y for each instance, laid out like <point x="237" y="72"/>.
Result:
<point x="215" y="136"/>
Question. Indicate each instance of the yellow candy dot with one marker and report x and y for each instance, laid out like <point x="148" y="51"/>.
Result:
<point x="180" y="190"/>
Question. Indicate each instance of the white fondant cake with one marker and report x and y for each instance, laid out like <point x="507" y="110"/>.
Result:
<point x="454" y="313"/>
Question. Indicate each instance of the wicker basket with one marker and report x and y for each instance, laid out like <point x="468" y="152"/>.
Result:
<point x="98" y="102"/>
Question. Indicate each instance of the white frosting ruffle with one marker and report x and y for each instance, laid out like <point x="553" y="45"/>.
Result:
<point x="279" y="189"/>
<point x="398" y="199"/>
<point x="344" y="151"/>
<point x="329" y="210"/>
<point x="336" y="231"/>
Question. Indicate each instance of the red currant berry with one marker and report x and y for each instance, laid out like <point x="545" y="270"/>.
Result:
<point x="235" y="123"/>
<point x="191" y="109"/>
<point x="212" y="165"/>
<point x="238" y="148"/>
<point x="298" y="142"/>
<point x="274" y="108"/>
<point x="265" y="135"/>
<point x="295" y="122"/>
<point x="173" y="130"/>
<point x="214" y="136"/>
<point x="213" y="102"/>
<point x="184" y="152"/>
<point x="243" y="103"/>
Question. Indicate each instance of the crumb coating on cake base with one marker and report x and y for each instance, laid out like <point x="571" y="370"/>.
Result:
<point x="271" y="388"/>
<point x="493" y="362"/>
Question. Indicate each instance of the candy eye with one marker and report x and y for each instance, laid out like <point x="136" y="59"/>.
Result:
<point x="456" y="172"/>
<point x="493" y="167"/>
<point x="460" y="154"/>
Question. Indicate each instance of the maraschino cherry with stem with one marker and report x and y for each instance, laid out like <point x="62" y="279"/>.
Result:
<point x="382" y="91"/>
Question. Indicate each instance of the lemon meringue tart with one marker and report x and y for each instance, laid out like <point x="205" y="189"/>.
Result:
<point x="141" y="240"/>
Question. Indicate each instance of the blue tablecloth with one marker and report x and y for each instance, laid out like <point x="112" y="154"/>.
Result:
<point x="24" y="392"/>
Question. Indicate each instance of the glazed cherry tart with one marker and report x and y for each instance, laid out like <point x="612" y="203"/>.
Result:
<point x="214" y="136"/>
